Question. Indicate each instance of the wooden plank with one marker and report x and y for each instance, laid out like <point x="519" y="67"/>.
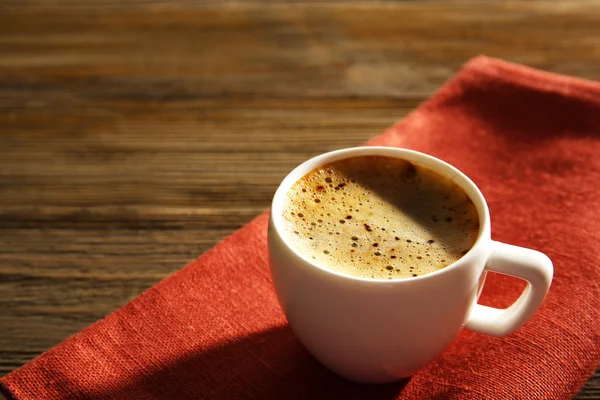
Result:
<point x="135" y="162"/>
<point x="187" y="49"/>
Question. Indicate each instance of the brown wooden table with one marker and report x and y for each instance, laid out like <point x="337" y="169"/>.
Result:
<point x="135" y="135"/>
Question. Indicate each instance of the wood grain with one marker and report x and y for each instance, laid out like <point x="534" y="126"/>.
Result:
<point x="136" y="135"/>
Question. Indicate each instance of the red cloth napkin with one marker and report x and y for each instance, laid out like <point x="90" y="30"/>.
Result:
<point x="214" y="330"/>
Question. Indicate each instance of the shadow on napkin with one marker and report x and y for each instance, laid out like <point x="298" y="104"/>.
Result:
<point x="271" y="364"/>
<point x="571" y="116"/>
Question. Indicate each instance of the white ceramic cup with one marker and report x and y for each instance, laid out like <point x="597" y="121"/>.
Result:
<point x="380" y="330"/>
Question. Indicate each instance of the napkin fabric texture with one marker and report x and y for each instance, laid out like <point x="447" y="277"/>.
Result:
<point x="529" y="139"/>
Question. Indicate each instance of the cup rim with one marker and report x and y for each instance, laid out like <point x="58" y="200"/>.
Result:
<point x="453" y="173"/>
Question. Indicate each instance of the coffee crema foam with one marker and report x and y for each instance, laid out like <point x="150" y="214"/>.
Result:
<point x="379" y="217"/>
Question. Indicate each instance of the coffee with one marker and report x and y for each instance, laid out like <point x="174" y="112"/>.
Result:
<point x="379" y="217"/>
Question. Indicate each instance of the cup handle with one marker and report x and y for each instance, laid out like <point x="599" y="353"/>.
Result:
<point x="530" y="265"/>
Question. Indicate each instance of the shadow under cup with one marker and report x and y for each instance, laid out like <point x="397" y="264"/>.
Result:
<point x="380" y="330"/>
